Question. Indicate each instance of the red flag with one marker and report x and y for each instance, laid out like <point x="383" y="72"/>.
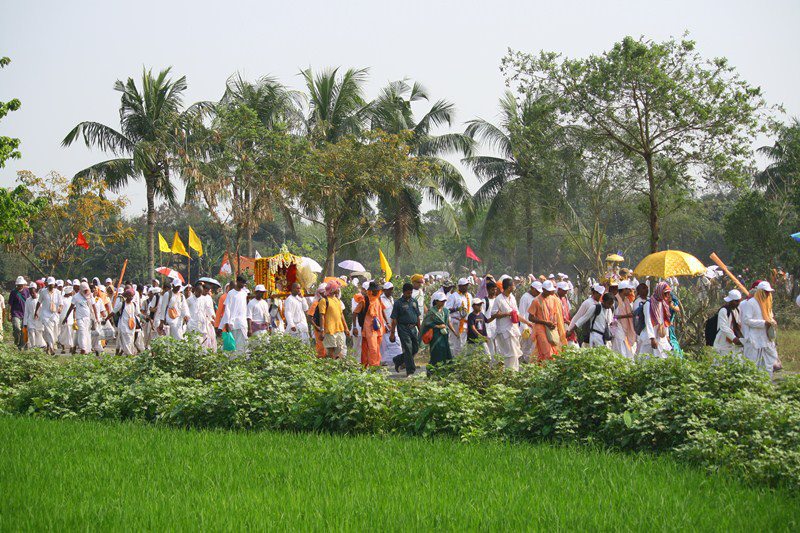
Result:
<point x="81" y="241"/>
<point x="472" y="255"/>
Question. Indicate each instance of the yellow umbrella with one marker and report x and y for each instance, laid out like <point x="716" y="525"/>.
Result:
<point x="669" y="263"/>
<point x="615" y="258"/>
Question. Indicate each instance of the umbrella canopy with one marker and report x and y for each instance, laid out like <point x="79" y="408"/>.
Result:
<point x="210" y="281"/>
<point x="669" y="263"/>
<point x="440" y="273"/>
<point x="615" y="258"/>
<point x="170" y="273"/>
<point x="312" y="265"/>
<point x="349" y="264"/>
<point x="365" y="275"/>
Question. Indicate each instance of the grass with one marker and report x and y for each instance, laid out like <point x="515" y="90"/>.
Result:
<point x="789" y="349"/>
<point x="68" y="475"/>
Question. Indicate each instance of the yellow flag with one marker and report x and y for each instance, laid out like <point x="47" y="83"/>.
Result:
<point x="385" y="266"/>
<point x="178" y="247"/>
<point x="194" y="242"/>
<point x="162" y="244"/>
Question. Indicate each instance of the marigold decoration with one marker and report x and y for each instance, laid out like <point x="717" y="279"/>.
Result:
<point x="279" y="272"/>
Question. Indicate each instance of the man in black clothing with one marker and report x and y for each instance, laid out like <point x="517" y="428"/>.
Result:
<point x="406" y="322"/>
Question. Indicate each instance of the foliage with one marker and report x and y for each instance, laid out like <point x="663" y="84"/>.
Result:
<point x="673" y="114"/>
<point x="17" y="209"/>
<point x="715" y="412"/>
<point x="8" y="145"/>
<point x="69" y="207"/>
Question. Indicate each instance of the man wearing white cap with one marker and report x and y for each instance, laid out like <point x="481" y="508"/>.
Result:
<point x="294" y="309"/>
<point x="174" y="311"/>
<point x="389" y="349"/>
<point x="127" y="324"/>
<point x="459" y="303"/>
<point x="548" y="324"/>
<point x="258" y="313"/>
<point x="31" y="320"/>
<point x="198" y="315"/>
<point x="599" y="321"/>
<point x="758" y="328"/>
<point x="588" y="306"/>
<point x="507" y="315"/>
<point x="525" y="301"/>
<point x="16" y="307"/>
<point x="47" y="311"/>
<point x="729" y="331"/>
<point x="153" y="315"/>
<point x="83" y="305"/>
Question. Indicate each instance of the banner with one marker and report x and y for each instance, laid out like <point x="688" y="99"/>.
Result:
<point x="472" y="255"/>
<point x="194" y="242"/>
<point x="387" y="270"/>
<point x="177" y="246"/>
<point x="162" y="244"/>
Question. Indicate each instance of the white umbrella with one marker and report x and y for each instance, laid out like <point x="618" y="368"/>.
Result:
<point x="438" y="273"/>
<point x="349" y="264"/>
<point x="311" y="264"/>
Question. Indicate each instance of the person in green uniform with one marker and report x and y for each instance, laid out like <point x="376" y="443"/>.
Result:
<point x="438" y="320"/>
<point x="406" y="321"/>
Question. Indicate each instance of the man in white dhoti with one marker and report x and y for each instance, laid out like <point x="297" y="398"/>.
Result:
<point x="258" y="318"/>
<point x="127" y="311"/>
<point x="526" y="340"/>
<point x="295" y="309"/>
<point x="153" y="314"/>
<point x="47" y="311"/>
<point x="234" y="319"/>
<point x="83" y="307"/>
<point x="729" y="332"/>
<point x="758" y="328"/>
<point x="174" y="311"/>
<point x="459" y="303"/>
<point x="66" y="331"/>
<point x="31" y="320"/>
<point x="207" y="310"/>
<point x="198" y="317"/>
<point x="654" y="338"/>
<point x="506" y="313"/>
<point x="389" y="349"/>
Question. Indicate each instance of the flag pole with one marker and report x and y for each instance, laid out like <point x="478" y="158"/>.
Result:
<point x="189" y="270"/>
<point x="119" y="284"/>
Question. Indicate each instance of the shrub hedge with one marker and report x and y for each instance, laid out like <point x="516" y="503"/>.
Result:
<point x="722" y="415"/>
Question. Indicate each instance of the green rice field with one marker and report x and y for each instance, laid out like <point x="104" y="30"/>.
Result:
<point x="70" y="475"/>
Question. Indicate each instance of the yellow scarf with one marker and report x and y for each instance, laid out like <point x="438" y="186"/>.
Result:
<point x="764" y="300"/>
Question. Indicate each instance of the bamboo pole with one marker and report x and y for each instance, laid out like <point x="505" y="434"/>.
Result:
<point x="714" y="257"/>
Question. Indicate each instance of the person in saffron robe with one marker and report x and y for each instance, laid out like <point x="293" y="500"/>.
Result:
<point x="562" y="290"/>
<point x="546" y="313"/>
<point x="373" y="327"/>
<point x="317" y="325"/>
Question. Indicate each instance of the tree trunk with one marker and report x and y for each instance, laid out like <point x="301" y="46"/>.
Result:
<point x="398" y="251"/>
<point x="655" y="228"/>
<point x="529" y="236"/>
<point x="330" y="240"/>
<point x="249" y="223"/>
<point x="151" y="227"/>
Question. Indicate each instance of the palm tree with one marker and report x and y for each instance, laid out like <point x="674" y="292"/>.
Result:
<point x="149" y="137"/>
<point x="391" y="112"/>
<point x="337" y="104"/>
<point x="781" y="176"/>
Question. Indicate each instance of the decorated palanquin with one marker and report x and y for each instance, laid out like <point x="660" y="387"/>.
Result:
<point x="278" y="272"/>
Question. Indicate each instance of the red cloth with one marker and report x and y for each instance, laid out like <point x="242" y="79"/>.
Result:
<point x="81" y="241"/>
<point x="472" y="255"/>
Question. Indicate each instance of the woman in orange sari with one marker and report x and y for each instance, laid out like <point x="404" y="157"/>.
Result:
<point x="318" y="330"/>
<point x="374" y="327"/>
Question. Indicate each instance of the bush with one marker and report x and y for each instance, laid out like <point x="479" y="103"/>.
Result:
<point x="720" y="414"/>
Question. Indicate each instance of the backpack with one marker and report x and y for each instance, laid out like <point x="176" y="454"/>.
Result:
<point x="712" y="328"/>
<point x="586" y="329"/>
<point x="317" y="315"/>
<point x="638" y="319"/>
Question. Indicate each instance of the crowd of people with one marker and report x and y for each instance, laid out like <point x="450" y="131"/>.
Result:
<point x="87" y="316"/>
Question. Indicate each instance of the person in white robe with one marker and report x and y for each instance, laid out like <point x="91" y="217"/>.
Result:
<point x="758" y="328"/>
<point x="102" y="328"/>
<point x="174" y="311"/>
<point x="154" y="317"/>
<point x="31" y="320"/>
<point x="66" y="331"/>
<point x="295" y="309"/>
<point x="276" y="320"/>
<point x="127" y="311"/>
<point x="728" y="339"/>
<point x="525" y="301"/>
<point x="82" y="308"/>
<point x="587" y="306"/>
<point x="234" y="319"/>
<point x="506" y="313"/>
<point x="47" y="311"/>
<point x="389" y="349"/>
<point x="258" y="318"/>
<point x="599" y="322"/>
<point x="492" y="290"/>
<point x="208" y="311"/>
<point x="459" y="303"/>
<point x="654" y="338"/>
<point x="624" y="335"/>
<point x="198" y="314"/>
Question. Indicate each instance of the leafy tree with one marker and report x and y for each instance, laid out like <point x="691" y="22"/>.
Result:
<point x="780" y="179"/>
<point x="392" y="112"/>
<point x="342" y="180"/>
<point x="67" y="207"/>
<point x="660" y="104"/>
<point x="150" y="138"/>
<point x="8" y="145"/>
<point x="17" y="208"/>
<point x="337" y="104"/>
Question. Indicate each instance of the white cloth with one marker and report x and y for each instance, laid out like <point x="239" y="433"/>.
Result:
<point x="205" y="310"/>
<point x="126" y="333"/>
<point x="757" y="345"/>
<point x="66" y="333"/>
<point x="586" y="307"/>
<point x="663" y="346"/>
<point x="725" y="331"/>
<point x="460" y="306"/>
<point x="419" y="296"/>
<point x="235" y="315"/>
<point x="258" y="312"/>
<point x="598" y="324"/>
<point x="176" y="301"/>
<point x="294" y="310"/>
<point x="389" y="349"/>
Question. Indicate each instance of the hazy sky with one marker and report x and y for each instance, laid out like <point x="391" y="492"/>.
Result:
<point x="66" y="55"/>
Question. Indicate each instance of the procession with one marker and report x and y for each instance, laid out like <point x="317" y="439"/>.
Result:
<point x="515" y="320"/>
